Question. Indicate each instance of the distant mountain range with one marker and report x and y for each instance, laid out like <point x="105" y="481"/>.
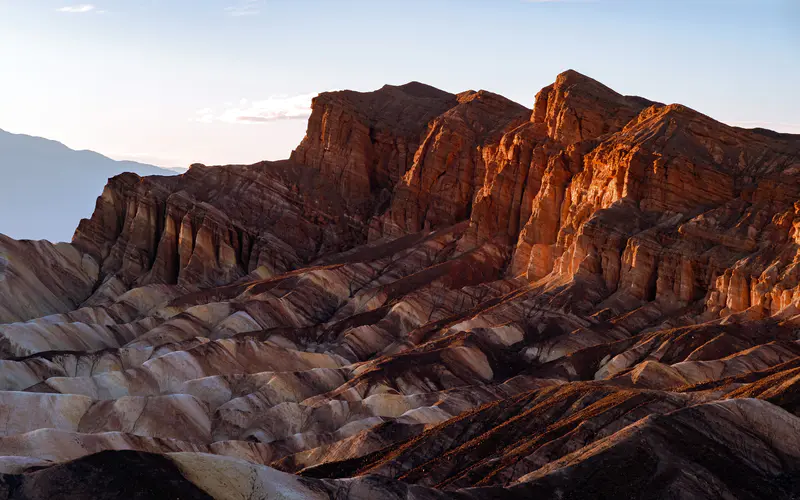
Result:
<point x="47" y="188"/>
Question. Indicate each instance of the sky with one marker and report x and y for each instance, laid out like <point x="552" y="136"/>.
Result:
<point x="174" y="82"/>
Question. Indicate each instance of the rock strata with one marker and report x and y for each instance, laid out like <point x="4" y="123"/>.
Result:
<point x="437" y="296"/>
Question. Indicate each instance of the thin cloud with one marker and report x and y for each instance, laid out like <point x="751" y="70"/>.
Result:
<point x="268" y="110"/>
<point x="204" y="115"/>
<point x="244" y="8"/>
<point x="77" y="9"/>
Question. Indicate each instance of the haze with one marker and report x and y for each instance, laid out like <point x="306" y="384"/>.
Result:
<point x="229" y="81"/>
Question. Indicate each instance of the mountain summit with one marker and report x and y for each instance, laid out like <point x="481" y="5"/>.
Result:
<point x="437" y="296"/>
<point x="52" y="185"/>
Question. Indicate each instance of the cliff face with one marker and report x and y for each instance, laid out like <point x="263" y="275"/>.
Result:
<point x="214" y="225"/>
<point x="438" y="295"/>
<point x="449" y="167"/>
<point x="363" y="143"/>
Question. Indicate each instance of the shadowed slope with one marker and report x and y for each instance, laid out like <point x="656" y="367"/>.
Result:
<point x="437" y="296"/>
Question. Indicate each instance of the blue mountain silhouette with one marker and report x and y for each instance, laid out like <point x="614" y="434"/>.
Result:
<point x="46" y="187"/>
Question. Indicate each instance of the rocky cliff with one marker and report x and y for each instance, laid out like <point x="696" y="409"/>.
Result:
<point x="437" y="296"/>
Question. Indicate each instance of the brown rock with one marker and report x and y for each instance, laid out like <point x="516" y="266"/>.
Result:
<point x="438" y="296"/>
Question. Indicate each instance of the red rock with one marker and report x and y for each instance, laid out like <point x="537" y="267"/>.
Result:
<point x="365" y="142"/>
<point x="437" y="295"/>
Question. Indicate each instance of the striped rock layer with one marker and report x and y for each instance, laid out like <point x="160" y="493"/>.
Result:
<point x="437" y="296"/>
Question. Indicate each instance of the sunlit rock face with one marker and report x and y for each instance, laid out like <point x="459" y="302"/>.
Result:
<point x="437" y="296"/>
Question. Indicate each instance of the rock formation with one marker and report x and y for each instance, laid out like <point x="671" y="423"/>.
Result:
<point x="437" y="296"/>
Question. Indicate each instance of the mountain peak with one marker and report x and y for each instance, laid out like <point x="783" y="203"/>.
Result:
<point x="576" y="108"/>
<point x="438" y="296"/>
<point x="572" y="77"/>
<point x="423" y="90"/>
<point x="66" y="182"/>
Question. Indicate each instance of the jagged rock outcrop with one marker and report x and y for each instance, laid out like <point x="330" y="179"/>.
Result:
<point x="365" y="142"/>
<point x="441" y="185"/>
<point x="212" y="226"/>
<point x="438" y="296"/>
<point x="576" y="108"/>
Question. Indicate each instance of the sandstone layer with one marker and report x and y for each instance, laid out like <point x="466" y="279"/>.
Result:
<point x="437" y="296"/>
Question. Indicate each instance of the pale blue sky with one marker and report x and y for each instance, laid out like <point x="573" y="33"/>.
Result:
<point x="163" y="80"/>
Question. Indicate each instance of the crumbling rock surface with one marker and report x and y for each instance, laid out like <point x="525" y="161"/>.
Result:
<point x="437" y="296"/>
